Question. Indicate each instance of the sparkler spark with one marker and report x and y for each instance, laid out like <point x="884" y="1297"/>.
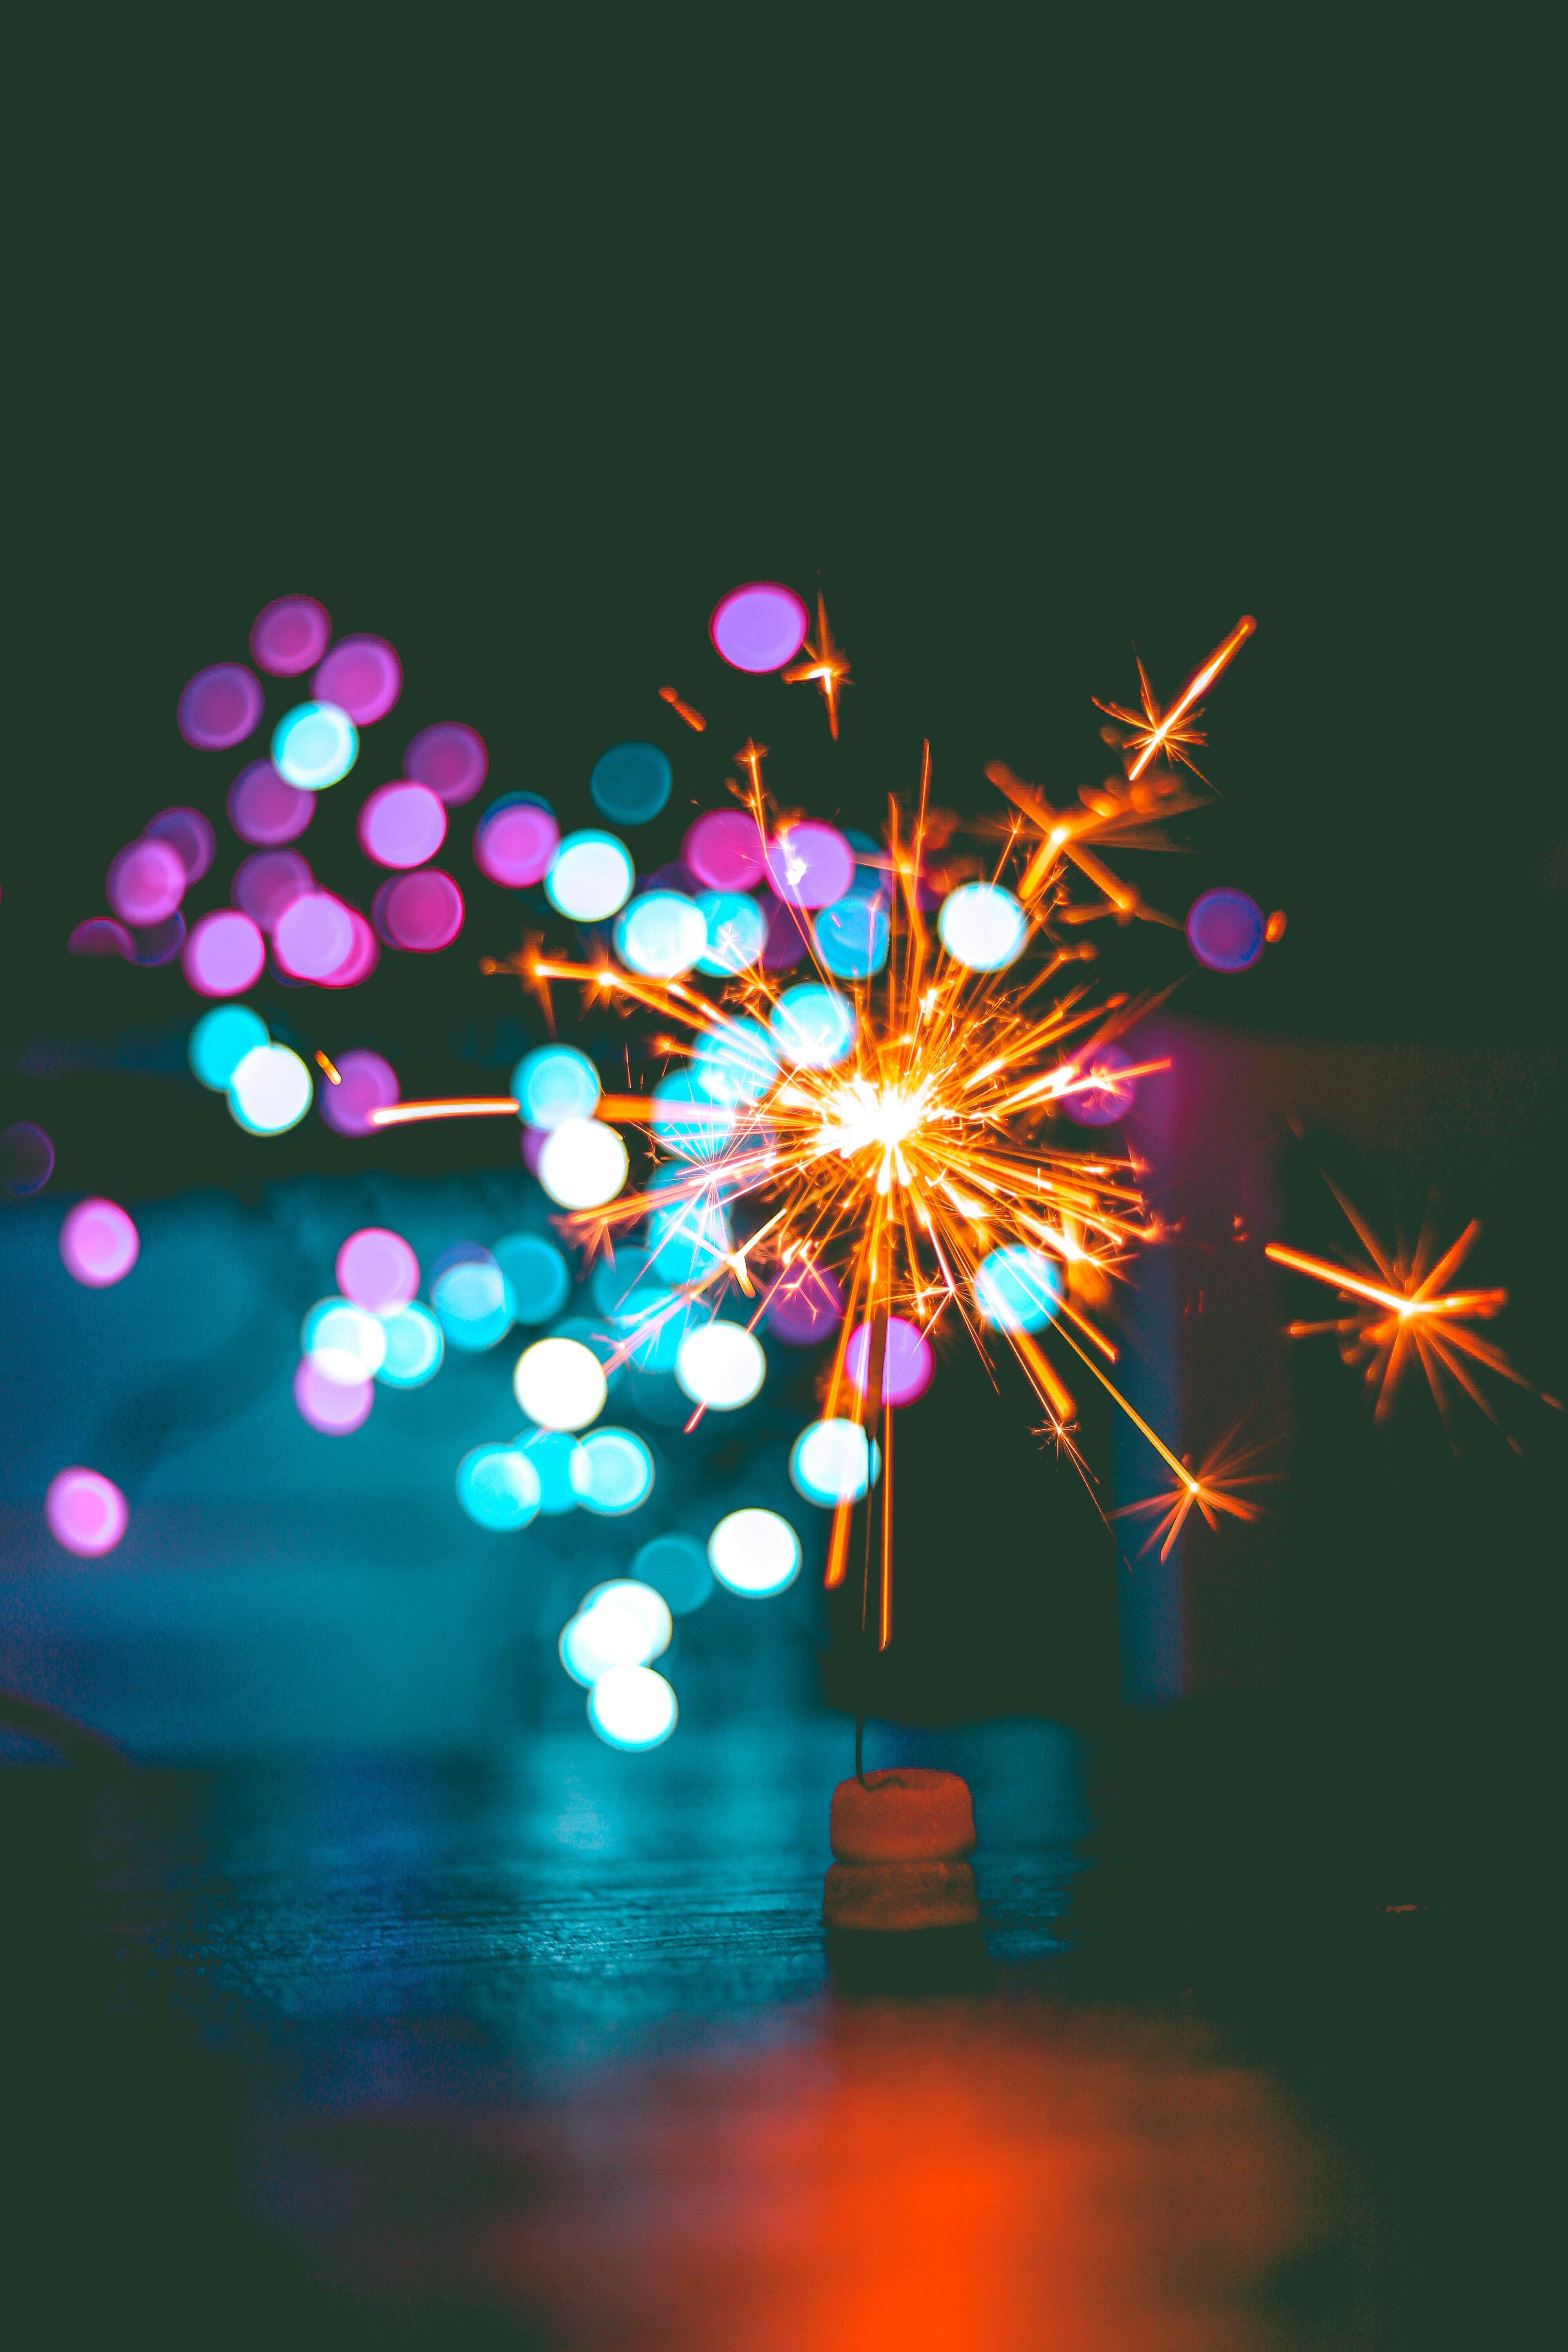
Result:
<point x="1174" y="732"/>
<point x="825" y="664"/>
<point x="1400" y="1313"/>
<point x="694" y="718"/>
<point x="1215" y="1487"/>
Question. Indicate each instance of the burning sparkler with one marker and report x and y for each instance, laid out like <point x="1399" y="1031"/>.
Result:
<point x="1215" y="1487"/>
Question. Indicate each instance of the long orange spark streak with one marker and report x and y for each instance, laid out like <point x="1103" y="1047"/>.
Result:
<point x="823" y="666"/>
<point x="334" y="1074"/>
<point x="1460" y="1302"/>
<point x="1197" y="686"/>
<point x="694" y="718"/>
<point x="470" y="1107"/>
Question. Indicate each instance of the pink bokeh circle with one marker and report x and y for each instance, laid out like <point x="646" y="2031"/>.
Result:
<point x="786" y="939"/>
<point x="146" y="883"/>
<point x="725" y="850"/>
<point x="101" y="937"/>
<point x="807" y="1304"/>
<point x="224" y="953"/>
<point x="360" y="960"/>
<point x="87" y="1513"/>
<point x="313" y="936"/>
<point x="363" y="675"/>
<point x="907" y="1365"/>
<point x="365" y="1083"/>
<point x="810" y="866"/>
<point x="401" y="825"/>
<point x="220" y="706"/>
<point x="451" y="758"/>
<point x="189" y="835"/>
<point x="420" y="912"/>
<point x="760" y="626"/>
<point x="377" y="1270"/>
<point x="99" y="1243"/>
<point x="289" y="634"/>
<point x="515" y="840"/>
<point x="265" y="884"/>
<point x="263" y="808"/>
<point x="1103" y="1105"/>
<point x="334" y="1407"/>
<point x="155" y="943"/>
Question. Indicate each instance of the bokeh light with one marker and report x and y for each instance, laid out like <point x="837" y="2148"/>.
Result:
<point x="450" y="757"/>
<point x="590" y="876"/>
<point x="376" y="1268"/>
<point x="87" y="1513"/>
<point x="1018" y="1289"/>
<point x="100" y="936"/>
<point x="835" y="1462"/>
<point x="852" y="936"/>
<point x="328" y="1405"/>
<point x="983" y="927"/>
<point x="146" y="882"/>
<point x="813" y="1026"/>
<point x="661" y="935"/>
<point x="1102" y="1106"/>
<point x="220" y="1042"/>
<point x="99" y="1243"/>
<point x="582" y="1164"/>
<point x="630" y="782"/>
<point x="415" y="1345"/>
<point x="515" y="840"/>
<point x="725" y="848"/>
<point x="401" y="825"/>
<point x="265" y="884"/>
<point x="314" y="745"/>
<point x="289" y="634"/>
<point x="1225" y="931"/>
<point x="26" y="1159"/>
<point x="611" y="1473"/>
<point x="908" y="1363"/>
<point x="810" y="866"/>
<point x="622" y="1623"/>
<point x="753" y="1552"/>
<point x="540" y="1277"/>
<point x="220" y="706"/>
<point x="555" y="1083"/>
<point x="688" y="1239"/>
<point x="720" y="1364"/>
<point x="498" y="1487"/>
<point x="420" y="912"/>
<point x="224" y="953"/>
<point x="686" y="1121"/>
<point x="807" y="1304"/>
<point x="362" y="958"/>
<point x="346" y="1343"/>
<point x="550" y="1452"/>
<point x="787" y="940"/>
<point x="159" y="942"/>
<point x="474" y="1301"/>
<point x="313" y="935"/>
<point x="760" y="626"/>
<point x="559" y="1384"/>
<point x="734" y="928"/>
<point x="632" y="1708"/>
<point x="676" y="1567"/>
<point x="365" y="1083"/>
<point x="738" y="1065"/>
<point x="363" y="676"/>
<point x="265" y="810"/>
<point x="269" y="1091"/>
<point x="190" y="836"/>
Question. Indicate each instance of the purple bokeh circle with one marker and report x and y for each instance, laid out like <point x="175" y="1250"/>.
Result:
<point x="190" y="836"/>
<point x="313" y="936"/>
<point x="367" y="1083"/>
<point x="265" y="884"/>
<point x="760" y="626"/>
<point x="806" y="1306"/>
<point x="451" y="758"/>
<point x="26" y="1159"/>
<point x="420" y="912"/>
<point x="1225" y="931"/>
<point x="224" y="953"/>
<point x="363" y="675"/>
<point x="725" y="850"/>
<point x="289" y="634"/>
<point x="220" y="706"/>
<point x="515" y="840"/>
<point x="87" y="1513"/>
<point x="786" y="939"/>
<point x="810" y="866"/>
<point x="99" y="936"/>
<point x="907" y="1365"/>
<point x="156" y="943"/>
<point x="334" y="1407"/>
<point x="146" y="883"/>
<point x="401" y="825"/>
<point x="360" y="960"/>
<point x="377" y="1270"/>
<point x="99" y="1243"/>
<point x="1102" y="1106"/>
<point x="265" y="810"/>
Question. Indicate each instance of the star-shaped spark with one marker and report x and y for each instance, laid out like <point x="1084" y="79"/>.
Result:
<point x="1173" y="731"/>
<point x="1400" y="1312"/>
<point x="826" y="664"/>
<point x="1214" y="1487"/>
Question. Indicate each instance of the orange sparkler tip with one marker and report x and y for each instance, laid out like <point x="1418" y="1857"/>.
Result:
<point x="1274" y="929"/>
<point x="332" y="1074"/>
<point x="694" y="718"/>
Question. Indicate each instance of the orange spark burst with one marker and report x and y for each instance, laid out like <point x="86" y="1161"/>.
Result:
<point x="334" y="1076"/>
<point x="1402" y="1312"/>
<point x="694" y="718"/>
<point x="1214" y="1487"/>
<point x="1174" y="730"/>
<point x="826" y="664"/>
